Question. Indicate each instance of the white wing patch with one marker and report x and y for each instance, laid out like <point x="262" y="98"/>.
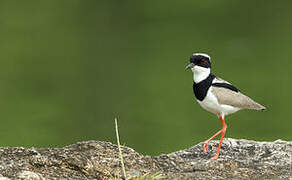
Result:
<point x="219" y="80"/>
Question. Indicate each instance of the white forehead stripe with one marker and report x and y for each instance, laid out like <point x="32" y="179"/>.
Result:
<point x="202" y="54"/>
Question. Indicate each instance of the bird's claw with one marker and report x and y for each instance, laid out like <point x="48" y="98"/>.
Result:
<point x="214" y="157"/>
<point x="205" y="146"/>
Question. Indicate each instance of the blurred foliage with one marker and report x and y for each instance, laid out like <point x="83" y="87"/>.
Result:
<point x="67" y="68"/>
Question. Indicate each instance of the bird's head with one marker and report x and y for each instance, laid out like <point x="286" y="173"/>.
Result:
<point x="200" y="64"/>
<point x="199" y="61"/>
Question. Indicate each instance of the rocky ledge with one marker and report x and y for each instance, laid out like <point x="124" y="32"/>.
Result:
<point x="239" y="159"/>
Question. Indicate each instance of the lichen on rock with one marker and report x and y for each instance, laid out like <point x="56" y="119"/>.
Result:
<point x="239" y="159"/>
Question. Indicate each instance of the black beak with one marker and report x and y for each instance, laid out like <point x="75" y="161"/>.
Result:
<point x="190" y="66"/>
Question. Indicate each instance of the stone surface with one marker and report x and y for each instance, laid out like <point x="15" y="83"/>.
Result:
<point x="239" y="159"/>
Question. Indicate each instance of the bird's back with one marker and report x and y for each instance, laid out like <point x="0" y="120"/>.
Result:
<point x="236" y="99"/>
<point x="227" y="94"/>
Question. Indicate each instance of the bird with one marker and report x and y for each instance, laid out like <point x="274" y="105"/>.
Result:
<point x="216" y="95"/>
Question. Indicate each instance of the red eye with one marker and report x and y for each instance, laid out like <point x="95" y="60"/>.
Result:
<point x="203" y="62"/>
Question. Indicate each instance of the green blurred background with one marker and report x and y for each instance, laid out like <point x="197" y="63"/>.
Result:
<point x="67" y="68"/>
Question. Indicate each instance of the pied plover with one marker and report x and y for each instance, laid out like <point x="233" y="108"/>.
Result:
<point x="216" y="95"/>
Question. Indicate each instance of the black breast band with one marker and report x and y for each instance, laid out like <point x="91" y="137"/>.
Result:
<point x="200" y="89"/>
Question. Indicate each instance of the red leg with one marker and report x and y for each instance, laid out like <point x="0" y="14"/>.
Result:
<point x="206" y="143"/>
<point x="224" y="127"/>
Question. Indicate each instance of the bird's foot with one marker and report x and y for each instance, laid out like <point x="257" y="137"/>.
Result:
<point x="215" y="157"/>
<point x="205" y="146"/>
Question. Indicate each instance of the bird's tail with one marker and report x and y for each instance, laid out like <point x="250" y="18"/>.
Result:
<point x="257" y="106"/>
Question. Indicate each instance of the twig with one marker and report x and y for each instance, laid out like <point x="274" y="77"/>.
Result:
<point x="120" y="151"/>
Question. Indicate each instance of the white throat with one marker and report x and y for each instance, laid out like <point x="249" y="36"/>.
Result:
<point x="200" y="73"/>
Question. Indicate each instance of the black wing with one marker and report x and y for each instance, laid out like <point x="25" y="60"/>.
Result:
<point x="226" y="85"/>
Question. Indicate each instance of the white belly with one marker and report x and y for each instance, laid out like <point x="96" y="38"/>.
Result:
<point x="211" y="104"/>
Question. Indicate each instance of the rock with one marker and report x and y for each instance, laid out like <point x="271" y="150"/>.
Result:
<point x="239" y="159"/>
<point x="29" y="175"/>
